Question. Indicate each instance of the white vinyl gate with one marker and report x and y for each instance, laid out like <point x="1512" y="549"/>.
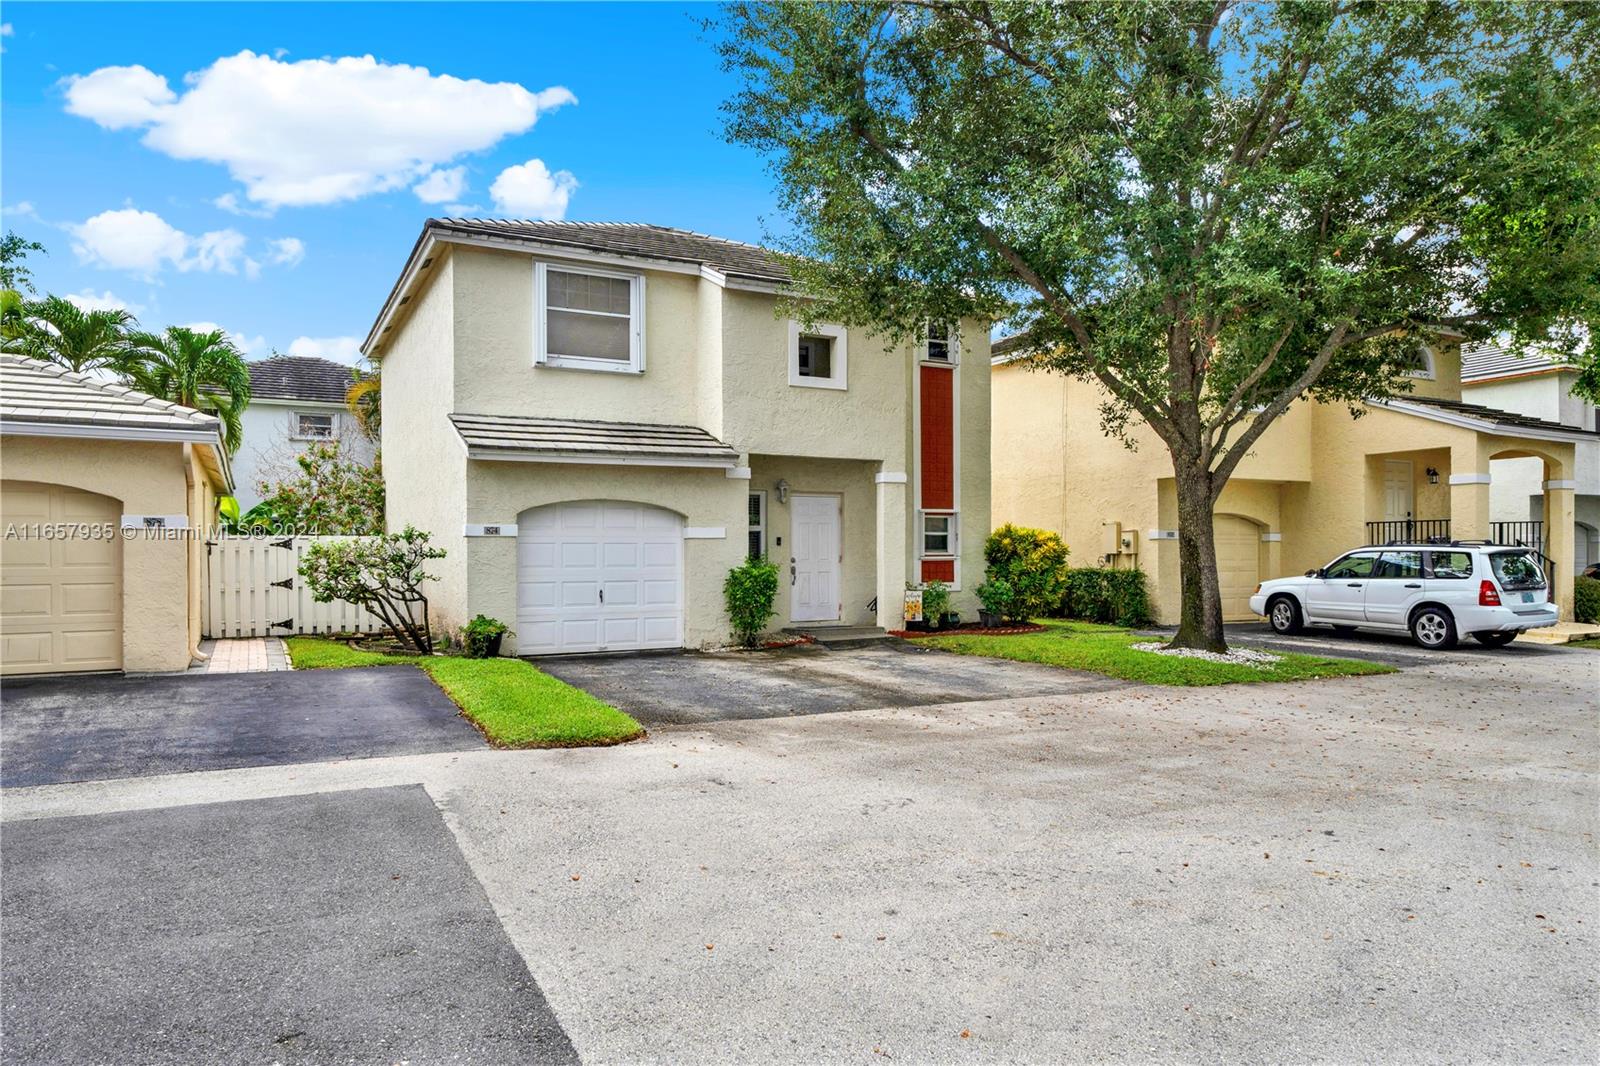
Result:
<point x="255" y="590"/>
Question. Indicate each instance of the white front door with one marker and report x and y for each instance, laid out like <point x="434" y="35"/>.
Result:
<point x="599" y="575"/>
<point x="1396" y="490"/>
<point x="815" y="562"/>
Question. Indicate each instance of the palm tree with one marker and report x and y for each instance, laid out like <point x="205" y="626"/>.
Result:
<point x="200" y="370"/>
<point x="364" y="398"/>
<point x="58" y="331"/>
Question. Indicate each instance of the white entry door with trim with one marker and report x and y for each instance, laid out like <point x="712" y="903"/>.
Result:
<point x="1397" y="481"/>
<point x="599" y="575"/>
<point x="817" y="559"/>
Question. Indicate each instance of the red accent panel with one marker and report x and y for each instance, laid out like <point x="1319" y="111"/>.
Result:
<point x="938" y="439"/>
<point x="939" y="570"/>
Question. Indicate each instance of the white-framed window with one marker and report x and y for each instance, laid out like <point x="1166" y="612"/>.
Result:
<point x="588" y="319"/>
<point x="941" y="343"/>
<point x="758" y="525"/>
<point x="309" y="425"/>
<point x="818" y="356"/>
<point x="1422" y="363"/>
<point x="939" y="534"/>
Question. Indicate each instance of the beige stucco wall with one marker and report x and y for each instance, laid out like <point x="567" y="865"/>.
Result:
<point x="160" y="577"/>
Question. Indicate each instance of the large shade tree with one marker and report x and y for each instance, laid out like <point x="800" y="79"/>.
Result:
<point x="200" y="369"/>
<point x="1211" y="209"/>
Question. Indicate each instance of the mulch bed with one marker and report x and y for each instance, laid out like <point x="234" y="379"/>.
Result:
<point x="969" y="630"/>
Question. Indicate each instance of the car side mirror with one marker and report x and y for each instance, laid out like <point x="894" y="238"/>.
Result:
<point x="1313" y="573"/>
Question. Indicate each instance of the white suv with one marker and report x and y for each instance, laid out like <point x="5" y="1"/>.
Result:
<point x="1436" y="592"/>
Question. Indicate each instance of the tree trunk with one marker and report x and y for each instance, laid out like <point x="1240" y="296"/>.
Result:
<point x="1200" y="616"/>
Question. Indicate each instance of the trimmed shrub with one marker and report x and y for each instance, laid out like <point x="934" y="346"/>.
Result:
<point x="1113" y="597"/>
<point x="1033" y="562"/>
<point x="1586" y="599"/>
<point x="935" y="602"/>
<point x="998" y="597"/>
<point x="480" y="634"/>
<point x="750" y="591"/>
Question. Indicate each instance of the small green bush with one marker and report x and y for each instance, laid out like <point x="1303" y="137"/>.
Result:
<point x="1113" y="597"/>
<point x="1586" y="600"/>
<point x="935" y="602"/>
<point x="750" y="591"/>
<point x="998" y="597"/>
<point x="1033" y="562"/>
<point x="477" y="634"/>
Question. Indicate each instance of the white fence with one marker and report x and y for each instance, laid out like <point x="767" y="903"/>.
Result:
<point x="255" y="590"/>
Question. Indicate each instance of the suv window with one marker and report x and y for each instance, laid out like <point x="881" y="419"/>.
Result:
<point x="1517" y="570"/>
<point x="1450" y="565"/>
<point x="1353" y="566"/>
<point x="1399" y="564"/>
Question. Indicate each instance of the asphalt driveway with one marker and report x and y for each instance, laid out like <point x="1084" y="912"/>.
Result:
<point x="340" y="927"/>
<point x="57" y="730"/>
<point x="693" y="688"/>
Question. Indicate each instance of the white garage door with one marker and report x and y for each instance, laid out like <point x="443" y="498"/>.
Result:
<point x="599" y="576"/>
<point x="1238" y="565"/>
<point x="61" y="595"/>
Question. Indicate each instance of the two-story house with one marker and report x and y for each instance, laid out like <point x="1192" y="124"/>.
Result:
<point x="599" y="421"/>
<point x="1319" y="482"/>
<point x="1541" y="386"/>
<point x="295" y="401"/>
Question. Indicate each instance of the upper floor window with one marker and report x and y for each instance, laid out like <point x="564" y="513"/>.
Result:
<point x="1421" y="363"/>
<point x="589" y="319"/>
<point x="309" y="426"/>
<point x="941" y="343"/>
<point x="817" y="356"/>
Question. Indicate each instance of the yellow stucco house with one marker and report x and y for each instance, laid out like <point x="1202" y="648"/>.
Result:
<point x="1318" y="483"/>
<point x="103" y="494"/>
<point x="598" y="421"/>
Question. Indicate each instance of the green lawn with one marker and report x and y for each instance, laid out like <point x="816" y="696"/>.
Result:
<point x="1105" y="650"/>
<point x="1592" y="642"/>
<point x="512" y="702"/>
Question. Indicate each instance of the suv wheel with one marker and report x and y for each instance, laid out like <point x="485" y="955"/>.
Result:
<point x="1433" y="628"/>
<point x="1495" y="639"/>
<point x="1283" y="614"/>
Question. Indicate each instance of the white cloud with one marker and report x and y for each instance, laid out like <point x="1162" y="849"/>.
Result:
<point x="315" y="131"/>
<point x="442" y="185"/>
<point x="340" y="349"/>
<point x="463" y="210"/>
<point x="287" y="251"/>
<point x="6" y="30"/>
<point x="531" y="191"/>
<point x="21" y="207"/>
<point x="89" y="300"/>
<point x="229" y="202"/>
<point x="247" y="346"/>
<point x="220" y="250"/>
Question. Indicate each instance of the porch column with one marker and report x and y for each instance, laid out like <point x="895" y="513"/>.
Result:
<point x="1560" y="497"/>
<point x="891" y="492"/>
<point x="1469" y="492"/>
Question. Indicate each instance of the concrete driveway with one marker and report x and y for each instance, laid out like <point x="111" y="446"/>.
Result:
<point x="95" y="728"/>
<point x="693" y="688"/>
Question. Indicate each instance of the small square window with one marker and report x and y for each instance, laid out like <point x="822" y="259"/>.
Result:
<point x="313" y="427"/>
<point x="815" y="357"/>
<point x="938" y="534"/>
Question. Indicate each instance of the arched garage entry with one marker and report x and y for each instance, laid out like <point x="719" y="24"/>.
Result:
<point x="61" y="593"/>
<point x="1238" y="564"/>
<point x="599" y="575"/>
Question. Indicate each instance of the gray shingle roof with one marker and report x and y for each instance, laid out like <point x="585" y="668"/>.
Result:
<point x="299" y="377"/>
<point x="510" y="436"/>
<point x="631" y="238"/>
<point x="1508" y="420"/>
<point x="1481" y="362"/>
<point x="35" y="395"/>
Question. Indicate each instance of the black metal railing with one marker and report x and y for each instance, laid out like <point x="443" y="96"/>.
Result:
<point x="1524" y="534"/>
<point x="1409" y="530"/>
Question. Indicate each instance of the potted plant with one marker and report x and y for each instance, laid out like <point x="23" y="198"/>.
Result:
<point x="481" y="637"/>
<point x="936" y="604"/>
<point x="997" y="598"/>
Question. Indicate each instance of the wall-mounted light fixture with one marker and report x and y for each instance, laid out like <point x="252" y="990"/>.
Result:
<point x="1433" y="476"/>
<point x="783" y="490"/>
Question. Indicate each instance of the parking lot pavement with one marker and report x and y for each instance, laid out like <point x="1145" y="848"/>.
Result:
<point x="1396" y="649"/>
<point x="696" y="688"/>
<point x="341" y="927"/>
<point x="95" y="728"/>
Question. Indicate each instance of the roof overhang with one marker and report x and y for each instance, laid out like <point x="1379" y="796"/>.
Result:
<point x="1484" y="425"/>
<point x="527" y="439"/>
<point x="210" y="439"/>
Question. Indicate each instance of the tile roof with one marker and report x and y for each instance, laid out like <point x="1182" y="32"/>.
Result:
<point x="39" y="394"/>
<point x="299" y="377"/>
<point x="1482" y="362"/>
<point x="1015" y="344"/>
<point x="1508" y="420"/>
<point x="632" y="239"/>
<point x="514" y="436"/>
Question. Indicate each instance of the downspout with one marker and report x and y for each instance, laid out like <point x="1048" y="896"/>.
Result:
<point x="192" y="564"/>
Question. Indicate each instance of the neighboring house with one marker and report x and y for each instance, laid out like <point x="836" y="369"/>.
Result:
<point x="295" y="401"/>
<point x="103" y="487"/>
<point x="1540" y="386"/>
<point x="599" y="421"/>
<point x="1317" y="483"/>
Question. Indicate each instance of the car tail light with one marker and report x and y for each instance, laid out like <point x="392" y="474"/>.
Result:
<point x="1488" y="595"/>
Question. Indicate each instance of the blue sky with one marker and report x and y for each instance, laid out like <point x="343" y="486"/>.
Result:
<point x="276" y="193"/>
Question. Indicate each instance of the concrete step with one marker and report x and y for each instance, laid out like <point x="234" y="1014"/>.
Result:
<point x="1560" y="633"/>
<point x="840" y="636"/>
